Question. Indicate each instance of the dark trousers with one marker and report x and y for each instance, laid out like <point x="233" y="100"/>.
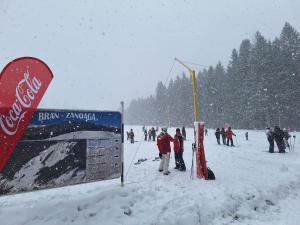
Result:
<point x="179" y="160"/>
<point x="224" y="139"/>
<point x="271" y="147"/>
<point x="280" y="144"/>
<point x="218" y="140"/>
<point x="229" y="140"/>
<point x="145" y="137"/>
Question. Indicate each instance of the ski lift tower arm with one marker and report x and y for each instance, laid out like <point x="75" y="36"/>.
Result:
<point x="193" y="74"/>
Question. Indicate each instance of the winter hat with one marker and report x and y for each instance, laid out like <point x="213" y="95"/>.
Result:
<point x="164" y="129"/>
<point x="177" y="130"/>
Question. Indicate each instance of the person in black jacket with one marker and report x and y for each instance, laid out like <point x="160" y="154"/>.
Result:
<point x="131" y="136"/>
<point x="270" y="136"/>
<point x="246" y="135"/>
<point x="153" y="134"/>
<point x="146" y="134"/>
<point x="218" y="134"/>
<point x="223" y="135"/>
<point x="183" y="133"/>
<point x="278" y="136"/>
<point x="178" y="151"/>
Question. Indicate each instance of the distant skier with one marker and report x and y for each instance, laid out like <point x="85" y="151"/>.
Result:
<point x="163" y="143"/>
<point x="127" y="135"/>
<point x="153" y="133"/>
<point x="270" y="136"/>
<point x="145" y="133"/>
<point x="246" y="135"/>
<point x="223" y="136"/>
<point x="183" y="133"/>
<point x="149" y="135"/>
<point x="286" y="137"/>
<point x="278" y="136"/>
<point x="178" y="151"/>
<point x="131" y="136"/>
<point x="218" y="134"/>
<point x="229" y="135"/>
<point x="205" y="131"/>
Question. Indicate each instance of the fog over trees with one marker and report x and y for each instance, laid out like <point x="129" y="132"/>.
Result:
<point x="259" y="87"/>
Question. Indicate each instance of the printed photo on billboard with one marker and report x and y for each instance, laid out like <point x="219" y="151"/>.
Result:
<point x="62" y="147"/>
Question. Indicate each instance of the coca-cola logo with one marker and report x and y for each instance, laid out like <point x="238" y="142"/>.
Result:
<point x="23" y="83"/>
<point x="26" y="91"/>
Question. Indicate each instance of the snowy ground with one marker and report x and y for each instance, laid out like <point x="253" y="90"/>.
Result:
<point x="251" y="187"/>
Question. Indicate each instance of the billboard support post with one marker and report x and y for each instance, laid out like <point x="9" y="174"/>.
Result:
<point x="122" y="144"/>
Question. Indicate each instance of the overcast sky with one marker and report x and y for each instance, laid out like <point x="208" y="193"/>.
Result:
<point x="102" y="52"/>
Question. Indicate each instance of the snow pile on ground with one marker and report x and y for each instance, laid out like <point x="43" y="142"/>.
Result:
<point x="251" y="187"/>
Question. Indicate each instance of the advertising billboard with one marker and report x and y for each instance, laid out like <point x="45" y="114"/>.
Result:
<point x="64" y="147"/>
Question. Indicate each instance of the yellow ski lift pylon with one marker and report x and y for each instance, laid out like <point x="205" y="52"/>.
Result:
<point x="192" y="72"/>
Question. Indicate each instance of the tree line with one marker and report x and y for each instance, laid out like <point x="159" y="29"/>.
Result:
<point x="260" y="87"/>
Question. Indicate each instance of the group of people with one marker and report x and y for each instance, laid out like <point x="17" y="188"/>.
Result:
<point x="164" y="146"/>
<point x="226" y="136"/>
<point x="281" y="137"/>
<point x="150" y="134"/>
<point x="164" y="140"/>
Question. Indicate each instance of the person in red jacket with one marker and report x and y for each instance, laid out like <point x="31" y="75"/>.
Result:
<point x="228" y="134"/>
<point x="178" y="151"/>
<point x="164" y="147"/>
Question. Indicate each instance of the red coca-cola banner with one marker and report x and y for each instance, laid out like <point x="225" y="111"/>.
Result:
<point x="23" y="83"/>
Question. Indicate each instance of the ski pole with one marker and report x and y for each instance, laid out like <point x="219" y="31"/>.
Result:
<point x="294" y="142"/>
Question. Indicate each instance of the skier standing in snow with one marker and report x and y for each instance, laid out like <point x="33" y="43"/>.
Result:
<point x="127" y="135"/>
<point x="270" y="136"/>
<point x="149" y="135"/>
<point x="205" y="131"/>
<point x="131" y="136"/>
<point x="153" y="133"/>
<point x="246" y="135"/>
<point x="278" y="136"/>
<point x="178" y="151"/>
<point x="223" y="136"/>
<point x="145" y="133"/>
<point x="163" y="143"/>
<point x="218" y="134"/>
<point x="183" y="133"/>
<point x="229" y="135"/>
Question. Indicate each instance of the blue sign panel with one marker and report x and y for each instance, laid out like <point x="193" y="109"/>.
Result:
<point x="62" y="147"/>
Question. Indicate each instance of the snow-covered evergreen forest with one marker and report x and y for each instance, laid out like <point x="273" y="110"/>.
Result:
<point x="258" y="88"/>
